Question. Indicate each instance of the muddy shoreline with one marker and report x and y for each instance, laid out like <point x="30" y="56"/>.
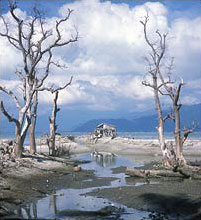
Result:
<point x="176" y="197"/>
<point x="35" y="178"/>
<point x="33" y="184"/>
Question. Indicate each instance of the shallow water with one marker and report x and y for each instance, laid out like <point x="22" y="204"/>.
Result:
<point x="57" y="206"/>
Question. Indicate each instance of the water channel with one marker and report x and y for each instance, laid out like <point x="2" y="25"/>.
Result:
<point x="64" y="203"/>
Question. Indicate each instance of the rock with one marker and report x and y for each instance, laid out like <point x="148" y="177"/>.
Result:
<point x="76" y="168"/>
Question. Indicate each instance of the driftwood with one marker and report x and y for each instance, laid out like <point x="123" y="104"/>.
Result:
<point x="67" y="161"/>
<point x="187" y="172"/>
<point x="39" y="190"/>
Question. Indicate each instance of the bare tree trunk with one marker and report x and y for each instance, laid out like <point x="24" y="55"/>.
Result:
<point x="175" y="95"/>
<point x="18" y="144"/>
<point x="32" y="140"/>
<point x="178" y="138"/>
<point x="52" y="119"/>
<point x="53" y="125"/>
<point x="21" y="127"/>
<point x="167" y="160"/>
<point x="160" y="127"/>
<point x="20" y="135"/>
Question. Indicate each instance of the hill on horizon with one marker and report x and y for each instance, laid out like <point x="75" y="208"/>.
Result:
<point x="143" y="123"/>
<point x="189" y="114"/>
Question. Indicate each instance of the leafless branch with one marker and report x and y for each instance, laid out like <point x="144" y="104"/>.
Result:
<point x="144" y="23"/>
<point x="177" y="92"/>
<point x="12" y="40"/>
<point x="19" y="74"/>
<point x="7" y="115"/>
<point x="47" y="69"/>
<point x="57" y="64"/>
<point x="53" y="90"/>
<point x="162" y="84"/>
<point x="169" y="116"/>
<point x="188" y="131"/>
<point x="147" y="84"/>
<point x="12" y="95"/>
<point x="57" y="42"/>
<point x="165" y="84"/>
<point x="162" y="93"/>
<point x="169" y="68"/>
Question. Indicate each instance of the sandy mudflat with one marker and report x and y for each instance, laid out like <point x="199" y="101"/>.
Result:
<point x="120" y="145"/>
<point x="28" y="179"/>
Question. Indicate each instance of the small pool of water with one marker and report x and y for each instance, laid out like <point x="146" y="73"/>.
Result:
<point x="103" y="166"/>
<point x="57" y="206"/>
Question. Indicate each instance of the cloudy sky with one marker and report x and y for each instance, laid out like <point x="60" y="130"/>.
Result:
<point x="107" y="62"/>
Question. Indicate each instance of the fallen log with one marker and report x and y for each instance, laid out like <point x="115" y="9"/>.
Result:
<point x="42" y="157"/>
<point x="179" y="172"/>
<point x="67" y="161"/>
<point x="131" y="171"/>
<point x="39" y="190"/>
<point x="185" y="173"/>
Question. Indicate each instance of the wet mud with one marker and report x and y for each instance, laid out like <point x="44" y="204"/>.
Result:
<point x="101" y="190"/>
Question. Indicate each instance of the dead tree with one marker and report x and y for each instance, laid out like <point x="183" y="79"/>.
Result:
<point x="53" y="127"/>
<point x="154" y="61"/>
<point x="174" y="91"/>
<point x="36" y="53"/>
<point x="169" y="88"/>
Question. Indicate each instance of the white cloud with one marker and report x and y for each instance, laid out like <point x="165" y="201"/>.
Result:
<point x="10" y="84"/>
<point x="190" y="99"/>
<point x="9" y="59"/>
<point x="112" y="39"/>
<point x="107" y="63"/>
<point x="185" y="46"/>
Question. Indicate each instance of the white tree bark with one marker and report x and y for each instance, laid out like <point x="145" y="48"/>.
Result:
<point x="33" y="53"/>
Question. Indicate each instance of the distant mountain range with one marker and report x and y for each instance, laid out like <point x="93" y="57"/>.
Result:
<point x="146" y="122"/>
<point x="189" y="114"/>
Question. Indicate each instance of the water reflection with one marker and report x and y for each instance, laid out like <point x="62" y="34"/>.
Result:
<point x="53" y="203"/>
<point x="74" y="203"/>
<point x="86" y="207"/>
<point x="34" y="210"/>
<point x="28" y="212"/>
<point x="104" y="159"/>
